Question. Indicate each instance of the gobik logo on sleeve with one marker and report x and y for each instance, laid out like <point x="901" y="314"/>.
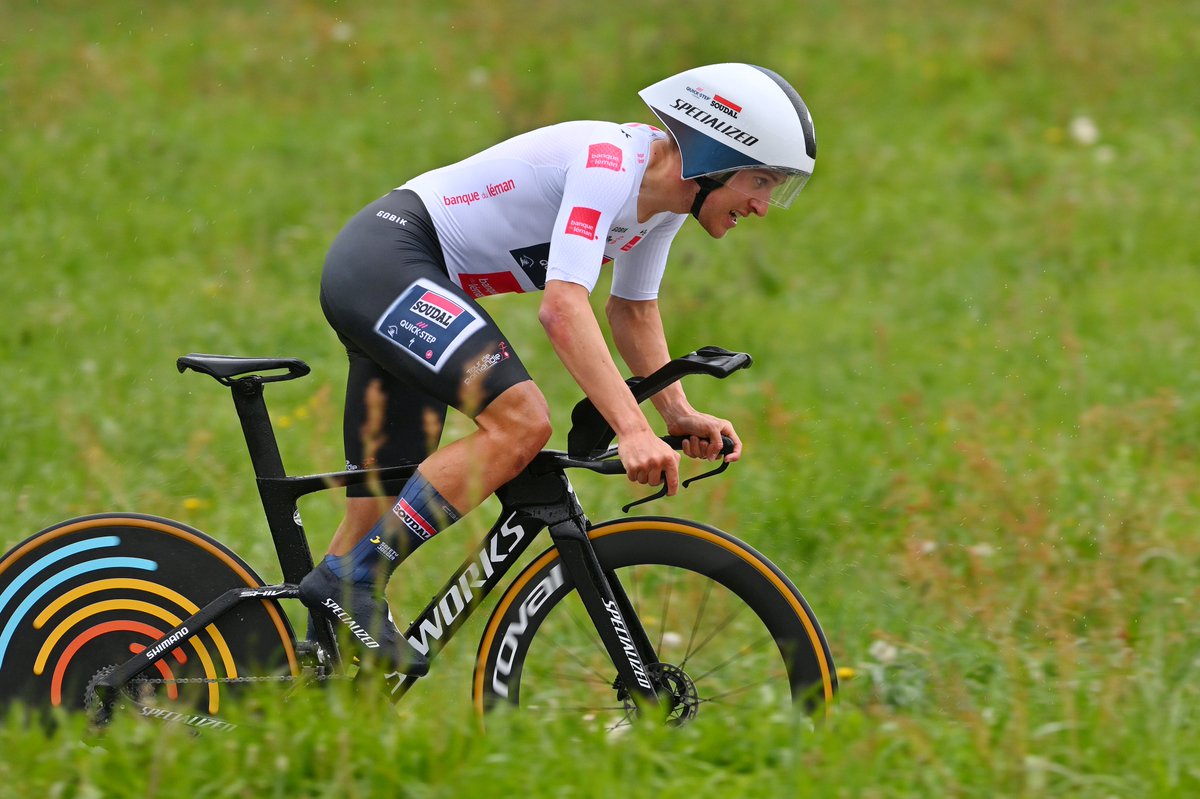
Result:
<point x="428" y="322"/>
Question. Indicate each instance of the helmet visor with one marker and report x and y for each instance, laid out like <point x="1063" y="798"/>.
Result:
<point x="776" y="186"/>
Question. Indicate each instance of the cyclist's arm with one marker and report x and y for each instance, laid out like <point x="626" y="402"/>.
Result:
<point x="572" y="328"/>
<point x="638" y="333"/>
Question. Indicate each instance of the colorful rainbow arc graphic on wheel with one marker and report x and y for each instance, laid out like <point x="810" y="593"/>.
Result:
<point x="78" y="628"/>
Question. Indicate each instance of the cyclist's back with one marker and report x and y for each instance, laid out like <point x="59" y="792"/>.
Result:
<point x="570" y="188"/>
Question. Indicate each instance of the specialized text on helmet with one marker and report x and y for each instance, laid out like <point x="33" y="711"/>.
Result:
<point x="716" y="123"/>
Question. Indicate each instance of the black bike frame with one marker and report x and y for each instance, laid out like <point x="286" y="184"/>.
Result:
<point x="539" y="498"/>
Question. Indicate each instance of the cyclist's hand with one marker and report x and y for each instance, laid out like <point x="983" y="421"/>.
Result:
<point x="647" y="460"/>
<point x="704" y="436"/>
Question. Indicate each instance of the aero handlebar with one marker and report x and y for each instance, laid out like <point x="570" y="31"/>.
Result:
<point x="607" y="462"/>
<point x="591" y="435"/>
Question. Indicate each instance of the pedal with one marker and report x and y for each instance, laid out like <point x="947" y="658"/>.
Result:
<point x="310" y="653"/>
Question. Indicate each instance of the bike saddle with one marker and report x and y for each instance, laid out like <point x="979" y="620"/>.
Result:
<point x="227" y="368"/>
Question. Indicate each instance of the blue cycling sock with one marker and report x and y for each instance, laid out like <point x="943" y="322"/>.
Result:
<point x="422" y="513"/>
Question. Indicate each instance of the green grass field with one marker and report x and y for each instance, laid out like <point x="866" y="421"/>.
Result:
<point x="972" y="428"/>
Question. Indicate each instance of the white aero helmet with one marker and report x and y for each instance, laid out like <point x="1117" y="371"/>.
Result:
<point x="727" y="117"/>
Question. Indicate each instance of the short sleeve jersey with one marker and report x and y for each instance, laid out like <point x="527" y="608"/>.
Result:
<point x="557" y="203"/>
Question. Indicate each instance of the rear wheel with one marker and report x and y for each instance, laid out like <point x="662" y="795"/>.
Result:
<point x="730" y="630"/>
<point x="88" y="594"/>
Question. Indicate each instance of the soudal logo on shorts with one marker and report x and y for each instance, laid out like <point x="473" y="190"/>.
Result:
<point x="583" y="222"/>
<point x="428" y="322"/>
<point x="437" y="309"/>
<point x="604" y="156"/>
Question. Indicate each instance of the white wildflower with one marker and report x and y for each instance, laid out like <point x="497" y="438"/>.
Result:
<point x="1084" y="131"/>
<point x="882" y="651"/>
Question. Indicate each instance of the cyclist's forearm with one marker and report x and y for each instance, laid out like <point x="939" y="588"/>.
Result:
<point x="638" y="333"/>
<point x="572" y="328"/>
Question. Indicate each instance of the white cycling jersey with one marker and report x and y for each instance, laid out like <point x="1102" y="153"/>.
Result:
<point x="556" y="203"/>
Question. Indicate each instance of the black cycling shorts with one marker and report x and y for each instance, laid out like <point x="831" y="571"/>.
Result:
<point x="416" y="342"/>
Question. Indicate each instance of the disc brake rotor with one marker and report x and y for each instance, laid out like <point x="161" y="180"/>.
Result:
<point x="674" y="686"/>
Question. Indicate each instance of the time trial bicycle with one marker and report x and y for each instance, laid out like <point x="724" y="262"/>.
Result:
<point x="124" y="610"/>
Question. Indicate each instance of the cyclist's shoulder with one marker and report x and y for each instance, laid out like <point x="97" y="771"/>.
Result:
<point x="630" y="137"/>
<point x="608" y="151"/>
<point x="568" y="137"/>
<point x="583" y="137"/>
<point x="566" y="145"/>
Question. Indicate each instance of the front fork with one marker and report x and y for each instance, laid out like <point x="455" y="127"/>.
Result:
<point x="599" y="589"/>
<point x="610" y="610"/>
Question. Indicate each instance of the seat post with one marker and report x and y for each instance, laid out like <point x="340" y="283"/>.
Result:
<point x="278" y="495"/>
<point x="256" y="427"/>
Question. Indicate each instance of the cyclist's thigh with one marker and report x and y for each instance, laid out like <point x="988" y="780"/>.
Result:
<point x="426" y="331"/>
<point x="385" y="291"/>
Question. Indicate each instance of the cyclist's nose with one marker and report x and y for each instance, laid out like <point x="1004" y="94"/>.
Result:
<point x="758" y="206"/>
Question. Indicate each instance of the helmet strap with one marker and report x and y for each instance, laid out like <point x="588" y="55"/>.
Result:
<point x="707" y="185"/>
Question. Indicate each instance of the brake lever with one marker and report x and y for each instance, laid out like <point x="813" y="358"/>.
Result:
<point x="726" y="449"/>
<point x="724" y="465"/>
<point x="661" y="493"/>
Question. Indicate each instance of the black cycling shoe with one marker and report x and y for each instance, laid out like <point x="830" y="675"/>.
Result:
<point x="358" y="608"/>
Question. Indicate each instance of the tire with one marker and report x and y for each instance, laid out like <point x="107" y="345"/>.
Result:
<point x="87" y="594"/>
<point x="729" y="628"/>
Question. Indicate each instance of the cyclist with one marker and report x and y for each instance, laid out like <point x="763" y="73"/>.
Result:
<point x="546" y="210"/>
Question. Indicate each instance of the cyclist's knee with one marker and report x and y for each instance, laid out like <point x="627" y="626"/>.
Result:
<point x="521" y="417"/>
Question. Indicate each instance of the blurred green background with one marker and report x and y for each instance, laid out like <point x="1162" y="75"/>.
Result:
<point x="971" y="429"/>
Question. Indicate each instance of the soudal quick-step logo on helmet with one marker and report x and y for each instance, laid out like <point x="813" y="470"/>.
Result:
<point x="428" y="322"/>
<point x="726" y="106"/>
<point x="729" y="117"/>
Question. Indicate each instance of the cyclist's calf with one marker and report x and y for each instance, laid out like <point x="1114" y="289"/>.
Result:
<point x="512" y="429"/>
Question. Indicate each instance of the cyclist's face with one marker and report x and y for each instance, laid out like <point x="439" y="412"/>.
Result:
<point x="745" y="193"/>
<point x="755" y="183"/>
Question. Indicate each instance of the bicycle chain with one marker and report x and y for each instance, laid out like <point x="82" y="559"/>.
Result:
<point x="227" y="680"/>
<point x="235" y="680"/>
<point x="308" y="673"/>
